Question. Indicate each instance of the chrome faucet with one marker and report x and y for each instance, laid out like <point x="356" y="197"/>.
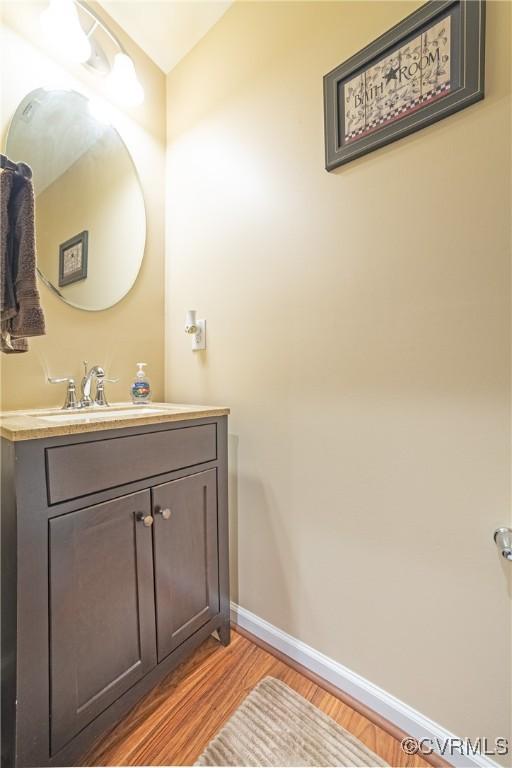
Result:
<point x="96" y="372"/>
<point x="86" y="401"/>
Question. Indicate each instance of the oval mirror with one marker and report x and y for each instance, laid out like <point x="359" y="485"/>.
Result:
<point x="90" y="215"/>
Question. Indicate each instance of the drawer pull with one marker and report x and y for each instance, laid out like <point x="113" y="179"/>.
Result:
<point x="147" y="520"/>
<point x="166" y="513"/>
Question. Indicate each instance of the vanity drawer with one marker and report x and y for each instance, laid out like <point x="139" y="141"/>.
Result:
<point x="83" y="468"/>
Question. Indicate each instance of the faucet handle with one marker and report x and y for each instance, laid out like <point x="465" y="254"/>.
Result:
<point x="101" y="398"/>
<point x="70" y="401"/>
<point x="100" y="377"/>
<point x="54" y="380"/>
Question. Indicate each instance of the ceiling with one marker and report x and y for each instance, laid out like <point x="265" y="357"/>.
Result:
<point x="166" y="29"/>
<point x="46" y="115"/>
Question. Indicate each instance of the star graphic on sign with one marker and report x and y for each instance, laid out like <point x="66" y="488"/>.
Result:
<point x="391" y="75"/>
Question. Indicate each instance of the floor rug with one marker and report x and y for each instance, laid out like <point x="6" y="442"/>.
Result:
<point x="275" y="726"/>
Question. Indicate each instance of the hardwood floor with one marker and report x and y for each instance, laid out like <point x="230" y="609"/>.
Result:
<point x="173" y="724"/>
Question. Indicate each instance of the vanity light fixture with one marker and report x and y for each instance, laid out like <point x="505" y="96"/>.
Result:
<point x="71" y="27"/>
<point x="63" y="31"/>
<point x="123" y="79"/>
<point x="197" y="329"/>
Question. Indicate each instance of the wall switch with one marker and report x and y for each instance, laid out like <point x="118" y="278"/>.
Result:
<point x="199" y="338"/>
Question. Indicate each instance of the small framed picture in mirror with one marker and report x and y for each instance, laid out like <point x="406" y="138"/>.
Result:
<point x="73" y="259"/>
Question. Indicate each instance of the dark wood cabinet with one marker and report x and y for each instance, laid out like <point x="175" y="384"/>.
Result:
<point x="114" y="569"/>
<point x="102" y="620"/>
<point x="186" y="558"/>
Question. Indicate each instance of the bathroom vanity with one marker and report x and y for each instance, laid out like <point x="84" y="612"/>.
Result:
<point x="114" y="566"/>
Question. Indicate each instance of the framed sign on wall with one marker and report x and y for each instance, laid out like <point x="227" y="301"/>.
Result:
<point x="73" y="259"/>
<point x="425" y="68"/>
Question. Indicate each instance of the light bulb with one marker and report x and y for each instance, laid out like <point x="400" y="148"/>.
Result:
<point x="100" y="112"/>
<point x="123" y="81"/>
<point x="62" y="29"/>
<point x="190" y="321"/>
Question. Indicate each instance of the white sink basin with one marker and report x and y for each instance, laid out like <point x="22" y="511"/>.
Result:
<point x="93" y="414"/>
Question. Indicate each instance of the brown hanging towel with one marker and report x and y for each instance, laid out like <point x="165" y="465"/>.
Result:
<point x="21" y="315"/>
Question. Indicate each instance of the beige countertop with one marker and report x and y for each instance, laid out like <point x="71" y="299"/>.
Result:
<point x="38" y="423"/>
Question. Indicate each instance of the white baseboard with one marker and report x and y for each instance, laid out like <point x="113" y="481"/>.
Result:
<point x="409" y="720"/>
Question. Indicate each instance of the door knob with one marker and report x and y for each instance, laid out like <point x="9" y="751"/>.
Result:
<point x="147" y="520"/>
<point x="503" y="539"/>
<point x="166" y="513"/>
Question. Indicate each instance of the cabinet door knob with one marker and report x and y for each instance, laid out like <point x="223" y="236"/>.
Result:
<point x="147" y="520"/>
<point x="166" y="513"/>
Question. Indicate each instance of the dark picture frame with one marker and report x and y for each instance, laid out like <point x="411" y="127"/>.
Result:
<point x="373" y="125"/>
<point x="73" y="259"/>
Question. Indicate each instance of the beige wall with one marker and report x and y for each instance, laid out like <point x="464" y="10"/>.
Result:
<point x="358" y="326"/>
<point x="132" y="330"/>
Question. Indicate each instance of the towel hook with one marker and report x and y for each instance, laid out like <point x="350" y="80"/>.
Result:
<point x="22" y="169"/>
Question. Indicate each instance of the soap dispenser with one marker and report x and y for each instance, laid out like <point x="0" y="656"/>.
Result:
<point x="141" y="388"/>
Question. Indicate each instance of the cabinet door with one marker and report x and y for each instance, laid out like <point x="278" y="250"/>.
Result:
<point x="102" y="616"/>
<point x="186" y="557"/>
